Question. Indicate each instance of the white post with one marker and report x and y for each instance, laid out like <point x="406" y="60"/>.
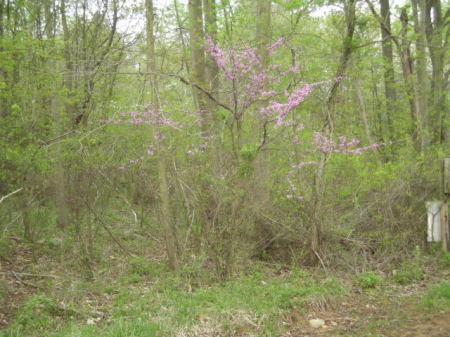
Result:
<point x="434" y="221"/>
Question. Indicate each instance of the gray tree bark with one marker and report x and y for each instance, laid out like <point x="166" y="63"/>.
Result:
<point x="198" y="60"/>
<point x="166" y="217"/>
<point x="419" y="15"/>
<point x="388" y="65"/>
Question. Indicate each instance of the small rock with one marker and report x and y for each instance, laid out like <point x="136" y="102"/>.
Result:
<point x="316" y="323"/>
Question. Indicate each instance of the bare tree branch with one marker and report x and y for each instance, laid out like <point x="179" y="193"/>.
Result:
<point x="10" y="194"/>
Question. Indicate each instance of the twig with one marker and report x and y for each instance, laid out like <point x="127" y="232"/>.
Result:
<point x="10" y="194"/>
<point x="179" y="77"/>
<point x="16" y="275"/>
<point x="27" y="274"/>
<point x="50" y="141"/>
<point x="321" y="261"/>
<point x="108" y="230"/>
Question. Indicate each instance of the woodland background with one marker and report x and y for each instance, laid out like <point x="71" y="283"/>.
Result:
<point x="199" y="139"/>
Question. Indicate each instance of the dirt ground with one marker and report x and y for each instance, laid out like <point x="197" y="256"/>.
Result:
<point x="366" y="316"/>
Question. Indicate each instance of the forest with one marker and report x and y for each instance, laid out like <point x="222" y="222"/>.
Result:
<point x="193" y="168"/>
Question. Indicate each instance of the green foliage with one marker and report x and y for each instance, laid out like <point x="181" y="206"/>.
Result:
<point x="368" y="203"/>
<point x="135" y="327"/>
<point x="254" y="295"/>
<point x="438" y="296"/>
<point x="445" y="259"/>
<point x="138" y="266"/>
<point x="40" y="313"/>
<point x="5" y="248"/>
<point x="368" y="280"/>
<point x="408" y="273"/>
<point x="3" y="292"/>
<point x="249" y="151"/>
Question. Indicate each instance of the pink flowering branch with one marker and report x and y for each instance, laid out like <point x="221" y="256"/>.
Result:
<point x="147" y="117"/>
<point x="278" y="43"/>
<point x="250" y="80"/>
<point x="325" y="144"/>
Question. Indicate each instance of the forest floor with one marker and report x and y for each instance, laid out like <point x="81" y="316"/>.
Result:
<point x="134" y="297"/>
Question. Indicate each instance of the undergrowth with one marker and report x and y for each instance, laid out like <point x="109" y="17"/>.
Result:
<point x="169" y="306"/>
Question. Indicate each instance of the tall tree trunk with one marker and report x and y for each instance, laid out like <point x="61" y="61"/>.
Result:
<point x="198" y="60"/>
<point x="261" y="166"/>
<point x="419" y="14"/>
<point x="388" y="65"/>
<point x="263" y="29"/>
<point x="437" y="49"/>
<point x="60" y="174"/>
<point x="166" y="217"/>
<point x="363" y="111"/>
<point x="3" y="74"/>
<point x="317" y="192"/>
<point x="410" y="86"/>
<point x="403" y="47"/>
<point x="259" y="186"/>
<point x="186" y="59"/>
<point x="227" y="17"/>
<point x="209" y="8"/>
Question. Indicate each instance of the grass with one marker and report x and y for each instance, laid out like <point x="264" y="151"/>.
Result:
<point x="369" y="280"/>
<point x="438" y="296"/>
<point x="142" y="298"/>
<point x="411" y="270"/>
<point x="169" y="307"/>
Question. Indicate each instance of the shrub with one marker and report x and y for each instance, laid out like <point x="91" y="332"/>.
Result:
<point x="40" y="312"/>
<point x="408" y="273"/>
<point x="368" y="280"/>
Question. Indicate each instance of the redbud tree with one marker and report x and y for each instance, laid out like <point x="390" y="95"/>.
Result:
<point x="252" y="94"/>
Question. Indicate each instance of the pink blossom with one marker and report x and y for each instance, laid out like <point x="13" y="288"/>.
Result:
<point x="277" y="44"/>
<point x="302" y="164"/>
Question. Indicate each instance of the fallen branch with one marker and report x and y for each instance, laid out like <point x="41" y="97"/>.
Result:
<point x="15" y="274"/>
<point x="10" y="194"/>
<point x="108" y="231"/>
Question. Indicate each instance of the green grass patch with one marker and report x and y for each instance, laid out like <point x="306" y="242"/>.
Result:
<point x="438" y="296"/>
<point x="38" y="314"/>
<point x="165" y="306"/>
<point x="134" y="327"/>
<point x="369" y="280"/>
<point x="411" y="270"/>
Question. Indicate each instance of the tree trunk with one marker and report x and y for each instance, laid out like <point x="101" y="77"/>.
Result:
<point x="347" y="49"/>
<point x="166" y="214"/>
<point x="60" y="187"/>
<point x="186" y="59"/>
<point x="3" y="74"/>
<point x="263" y="28"/>
<point x="437" y="49"/>
<point x="259" y="186"/>
<point x="419" y="9"/>
<point x="198" y="60"/>
<point x="363" y="111"/>
<point x="410" y="87"/>
<point x="209" y="7"/>
<point x="388" y="65"/>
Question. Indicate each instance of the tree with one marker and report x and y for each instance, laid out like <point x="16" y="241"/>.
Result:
<point x="198" y="60"/>
<point x="438" y="46"/>
<point x="330" y="111"/>
<point x="210" y="13"/>
<point x="419" y="16"/>
<point x="388" y="65"/>
<point x="166" y="214"/>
